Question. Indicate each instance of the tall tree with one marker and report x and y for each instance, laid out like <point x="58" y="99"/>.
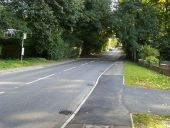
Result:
<point x="135" y="23"/>
<point x="93" y="27"/>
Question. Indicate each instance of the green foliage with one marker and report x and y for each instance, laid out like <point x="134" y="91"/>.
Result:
<point x="152" y="60"/>
<point x="147" y="51"/>
<point x="135" y="23"/>
<point x="149" y="54"/>
<point x="50" y="24"/>
<point x="93" y="28"/>
<point x="9" y="20"/>
<point x="64" y="28"/>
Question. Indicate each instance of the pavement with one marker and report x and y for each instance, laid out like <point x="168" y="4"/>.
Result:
<point x="87" y="93"/>
<point x="105" y="107"/>
<point x="112" y="103"/>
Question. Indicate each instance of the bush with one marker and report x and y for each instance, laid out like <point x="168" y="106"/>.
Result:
<point x="148" y="51"/>
<point x="152" y="60"/>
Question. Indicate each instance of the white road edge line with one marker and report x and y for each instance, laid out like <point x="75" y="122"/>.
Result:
<point x="2" y="93"/>
<point x="123" y="80"/>
<point x="78" y="108"/>
<point x="69" y="69"/>
<point x="132" y="122"/>
<point x="40" y="79"/>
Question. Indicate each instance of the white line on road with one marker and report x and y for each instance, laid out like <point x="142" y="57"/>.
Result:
<point x="84" y="64"/>
<point x="2" y="93"/>
<point x="81" y="104"/>
<point x="10" y="83"/>
<point x="69" y="69"/>
<point x="40" y="79"/>
<point x="54" y="74"/>
<point x="92" y="61"/>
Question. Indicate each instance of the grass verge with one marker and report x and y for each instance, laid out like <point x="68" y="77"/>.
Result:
<point x="140" y="76"/>
<point x="151" y="121"/>
<point x="15" y="63"/>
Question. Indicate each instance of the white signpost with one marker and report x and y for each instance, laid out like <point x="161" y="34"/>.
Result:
<point x="22" y="45"/>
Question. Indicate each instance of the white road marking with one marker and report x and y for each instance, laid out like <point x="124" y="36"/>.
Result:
<point x="2" y="93"/>
<point x="132" y="121"/>
<point x="16" y="87"/>
<point x="92" y="61"/>
<point x="40" y="79"/>
<point x="84" y="64"/>
<point x="10" y="83"/>
<point x="81" y="104"/>
<point x="69" y="69"/>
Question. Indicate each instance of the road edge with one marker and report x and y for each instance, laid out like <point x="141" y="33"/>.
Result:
<point x="132" y="121"/>
<point x="34" y="67"/>
<point x="81" y="104"/>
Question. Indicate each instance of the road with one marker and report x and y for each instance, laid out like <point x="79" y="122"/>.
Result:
<point x="35" y="98"/>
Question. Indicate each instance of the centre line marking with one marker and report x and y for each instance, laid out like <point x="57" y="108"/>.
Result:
<point x="84" y="64"/>
<point x="2" y="93"/>
<point x="40" y="79"/>
<point x="69" y="69"/>
<point x="92" y="61"/>
<point x="10" y="83"/>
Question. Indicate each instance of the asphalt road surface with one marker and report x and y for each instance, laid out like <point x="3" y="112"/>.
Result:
<point x="34" y="99"/>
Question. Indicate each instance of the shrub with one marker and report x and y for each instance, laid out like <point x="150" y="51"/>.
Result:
<point x="152" y="60"/>
<point x="147" y="51"/>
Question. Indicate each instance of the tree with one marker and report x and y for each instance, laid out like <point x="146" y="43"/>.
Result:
<point x="9" y="20"/>
<point x="94" y="25"/>
<point x="135" y="24"/>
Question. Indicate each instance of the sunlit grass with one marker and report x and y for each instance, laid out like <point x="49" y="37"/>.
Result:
<point x="140" y="76"/>
<point x="150" y="121"/>
<point x="15" y="63"/>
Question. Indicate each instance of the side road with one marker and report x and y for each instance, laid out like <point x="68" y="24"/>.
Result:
<point x="110" y="104"/>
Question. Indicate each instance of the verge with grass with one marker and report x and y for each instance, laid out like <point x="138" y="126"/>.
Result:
<point x="141" y="76"/>
<point x="16" y="63"/>
<point x="150" y="121"/>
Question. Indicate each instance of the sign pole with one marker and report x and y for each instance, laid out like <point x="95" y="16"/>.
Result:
<point x="22" y="46"/>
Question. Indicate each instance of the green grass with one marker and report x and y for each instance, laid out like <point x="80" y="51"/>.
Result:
<point x="150" y="121"/>
<point x="140" y="76"/>
<point x="14" y="63"/>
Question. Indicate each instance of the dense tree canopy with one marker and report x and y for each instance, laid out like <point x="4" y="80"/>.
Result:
<point x="67" y="28"/>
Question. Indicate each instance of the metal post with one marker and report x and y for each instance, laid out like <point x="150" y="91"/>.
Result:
<point x="22" y="48"/>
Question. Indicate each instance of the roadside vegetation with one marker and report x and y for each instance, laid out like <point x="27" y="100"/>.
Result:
<point x="15" y="63"/>
<point x="71" y="28"/>
<point x="150" y="121"/>
<point x="136" y="75"/>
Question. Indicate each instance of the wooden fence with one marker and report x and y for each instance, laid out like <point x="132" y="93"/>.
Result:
<point x="161" y="70"/>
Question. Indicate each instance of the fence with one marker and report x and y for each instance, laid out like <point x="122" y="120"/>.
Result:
<point x="161" y="70"/>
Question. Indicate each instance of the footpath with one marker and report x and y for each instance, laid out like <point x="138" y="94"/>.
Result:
<point x="104" y="108"/>
<point x="111" y="103"/>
